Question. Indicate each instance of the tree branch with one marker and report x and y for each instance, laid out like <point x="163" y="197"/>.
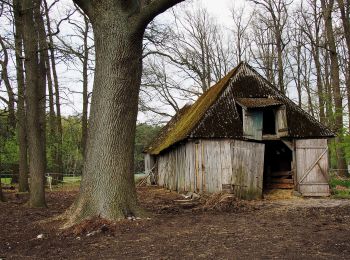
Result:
<point x="84" y="5"/>
<point x="151" y="10"/>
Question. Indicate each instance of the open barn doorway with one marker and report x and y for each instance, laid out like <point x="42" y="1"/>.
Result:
<point x="278" y="161"/>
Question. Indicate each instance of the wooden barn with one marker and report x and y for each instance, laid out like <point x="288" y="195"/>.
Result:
<point x="241" y="136"/>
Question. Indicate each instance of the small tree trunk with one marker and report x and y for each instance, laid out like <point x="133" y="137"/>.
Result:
<point x="108" y="187"/>
<point x="23" y="185"/>
<point x="2" y="198"/>
<point x="35" y="100"/>
<point x="58" y="132"/>
<point x="84" y="120"/>
<point x="280" y="62"/>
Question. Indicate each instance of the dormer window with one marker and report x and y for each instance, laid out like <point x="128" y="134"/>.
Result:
<point x="263" y="118"/>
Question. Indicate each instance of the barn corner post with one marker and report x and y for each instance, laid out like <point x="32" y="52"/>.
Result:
<point x="108" y="187"/>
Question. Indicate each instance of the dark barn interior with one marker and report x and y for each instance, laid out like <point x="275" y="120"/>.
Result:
<point x="269" y="122"/>
<point x="277" y="166"/>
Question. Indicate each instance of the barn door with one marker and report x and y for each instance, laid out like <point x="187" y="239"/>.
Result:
<point x="312" y="167"/>
<point x="247" y="169"/>
<point x="252" y="124"/>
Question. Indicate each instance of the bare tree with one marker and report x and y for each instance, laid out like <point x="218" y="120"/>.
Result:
<point x="196" y="47"/>
<point x="327" y="7"/>
<point x="81" y="50"/>
<point x="262" y="48"/>
<point x="241" y="24"/>
<point x="344" y="8"/>
<point x="277" y="20"/>
<point x="5" y="78"/>
<point x="310" y="25"/>
<point x="51" y="68"/>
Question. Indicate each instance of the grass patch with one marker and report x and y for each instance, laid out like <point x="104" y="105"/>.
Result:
<point x="340" y="187"/>
<point x="334" y="182"/>
<point x="341" y="194"/>
<point x="71" y="179"/>
<point x="6" y="181"/>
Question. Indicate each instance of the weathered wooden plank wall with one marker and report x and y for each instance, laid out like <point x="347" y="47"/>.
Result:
<point x="207" y="165"/>
<point x="312" y="167"/>
<point x="248" y="168"/>
<point x="149" y="162"/>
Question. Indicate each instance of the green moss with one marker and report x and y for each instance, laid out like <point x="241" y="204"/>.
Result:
<point x="179" y="128"/>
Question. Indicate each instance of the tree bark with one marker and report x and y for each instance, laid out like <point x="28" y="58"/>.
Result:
<point x="35" y="100"/>
<point x="2" y="198"/>
<point x="327" y="7"/>
<point x="84" y="120"/>
<point x="108" y="187"/>
<point x="23" y="185"/>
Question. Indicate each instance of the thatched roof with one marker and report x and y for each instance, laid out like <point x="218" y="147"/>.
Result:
<point x="215" y="114"/>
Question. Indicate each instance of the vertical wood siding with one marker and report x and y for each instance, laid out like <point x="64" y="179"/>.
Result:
<point x="312" y="167"/>
<point x="207" y="165"/>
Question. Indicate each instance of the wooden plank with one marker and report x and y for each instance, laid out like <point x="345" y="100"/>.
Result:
<point x="279" y="180"/>
<point x="247" y="168"/>
<point x="312" y="166"/>
<point x="226" y="163"/>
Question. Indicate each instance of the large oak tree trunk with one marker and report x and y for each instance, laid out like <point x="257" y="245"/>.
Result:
<point x="108" y="188"/>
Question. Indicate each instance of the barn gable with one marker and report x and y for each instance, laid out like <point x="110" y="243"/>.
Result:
<point x="220" y="112"/>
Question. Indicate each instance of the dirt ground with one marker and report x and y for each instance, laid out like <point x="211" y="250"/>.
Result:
<point x="282" y="228"/>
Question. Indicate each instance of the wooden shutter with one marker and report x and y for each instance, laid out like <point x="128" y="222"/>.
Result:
<point x="252" y="124"/>
<point x="312" y="167"/>
<point x="281" y="121"/>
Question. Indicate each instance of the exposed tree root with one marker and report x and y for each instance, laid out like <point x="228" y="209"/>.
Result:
<point x="80" y="213"/>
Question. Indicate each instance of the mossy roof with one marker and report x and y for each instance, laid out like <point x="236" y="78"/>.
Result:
<point x="187" y="118"/>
